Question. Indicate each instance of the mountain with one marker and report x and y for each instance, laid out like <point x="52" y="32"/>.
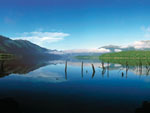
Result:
<point x="24" y="48"/>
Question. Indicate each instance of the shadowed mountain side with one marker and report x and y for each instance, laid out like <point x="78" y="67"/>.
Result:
<point x="24" y="49"/>
<point x="20" y="66"/>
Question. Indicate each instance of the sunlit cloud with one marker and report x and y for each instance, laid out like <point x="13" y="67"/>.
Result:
<point x="141" y="44"/>
<point x="138" y="44"/>
<point x="118" y="50"/>
<point x="101" y="50"/>
<point x="42" y="38"/>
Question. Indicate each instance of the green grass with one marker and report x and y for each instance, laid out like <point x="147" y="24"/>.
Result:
<point x="130" y="57"/>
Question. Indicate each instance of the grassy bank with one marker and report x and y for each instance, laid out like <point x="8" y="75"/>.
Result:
<point x="130" y="57"/>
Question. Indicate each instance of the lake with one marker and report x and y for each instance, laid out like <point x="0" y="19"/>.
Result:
<point x="45" y="87"/>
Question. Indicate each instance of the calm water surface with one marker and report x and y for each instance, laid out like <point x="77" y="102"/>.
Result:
<point x="39" y="87"/>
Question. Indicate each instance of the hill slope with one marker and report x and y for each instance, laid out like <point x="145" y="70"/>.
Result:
<point x="127" y="55"/>
<point x="23" y="48"/>
<point x="133" y="58"/>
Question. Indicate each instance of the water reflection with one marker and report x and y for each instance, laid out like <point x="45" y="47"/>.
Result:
<point x="2" y="72"/>
<point x="25" y="66"/>
<point x="19" y="66"/>
<point x="66" y="70"/>
<point x="108" y="69"/>
<point x="82" y="69"/>
<point x="93" y="68"/>
<point x="66" y="75"/>
<point x="105" y="68"/>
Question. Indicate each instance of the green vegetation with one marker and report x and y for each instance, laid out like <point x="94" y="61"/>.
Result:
<point x="127" y="57"/>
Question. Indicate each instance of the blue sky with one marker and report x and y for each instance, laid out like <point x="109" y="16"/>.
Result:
<point x="75" y="24"/>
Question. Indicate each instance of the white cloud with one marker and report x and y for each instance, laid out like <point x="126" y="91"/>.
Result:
<point x="124" y="46"/>
<point x="141" y="44"/>
<point x="118" y="50"/>
<point x="101" y="50"/>
<point x="42" y="38"/>
<point x="137" y="45"/>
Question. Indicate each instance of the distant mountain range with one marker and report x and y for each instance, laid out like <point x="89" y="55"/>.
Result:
<point x="24" y="48"/>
